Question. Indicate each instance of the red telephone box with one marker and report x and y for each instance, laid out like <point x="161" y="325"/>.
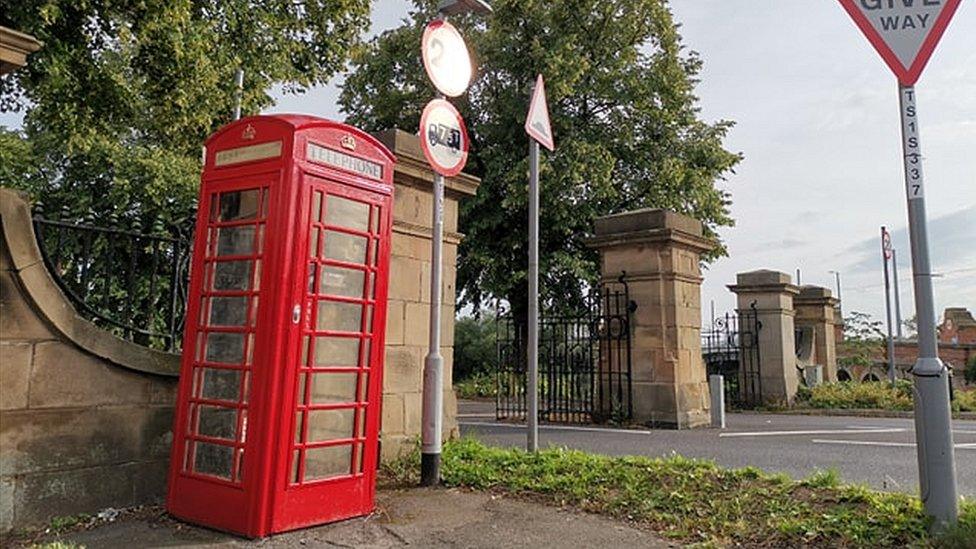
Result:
<point x="278" y="410"/>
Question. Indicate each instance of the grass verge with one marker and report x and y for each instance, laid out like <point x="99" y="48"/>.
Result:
<point x="696" y="501"/>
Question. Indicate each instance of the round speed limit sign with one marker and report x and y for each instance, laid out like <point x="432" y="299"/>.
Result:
<point x="446" y="58"/>
<point x="443" y="138"/>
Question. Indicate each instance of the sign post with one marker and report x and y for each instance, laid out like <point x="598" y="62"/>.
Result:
<point x="897" y="294"/>
<point x="905" y="35"/>
<point x="540" y="131"/>
<point x="444" y="141"/>
<point x="886" y="252"/>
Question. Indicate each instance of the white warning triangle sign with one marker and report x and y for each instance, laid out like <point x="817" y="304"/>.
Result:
<point x="537" y="123"/>
<point x="905" y="32"/>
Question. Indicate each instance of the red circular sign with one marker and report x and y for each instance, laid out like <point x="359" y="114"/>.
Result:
<point x="446" y="58"/>
<point x="444" y="138"/>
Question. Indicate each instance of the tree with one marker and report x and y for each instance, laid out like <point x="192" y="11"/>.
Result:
<point x="474" y="346"/>
<point x="624" y="113"/>
<point x="864" y="340"/>
<point x="122" y="95"/>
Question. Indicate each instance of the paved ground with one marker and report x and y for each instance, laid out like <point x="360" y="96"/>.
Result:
<point x="415" y="517"/>
<point x="877" y="451"/>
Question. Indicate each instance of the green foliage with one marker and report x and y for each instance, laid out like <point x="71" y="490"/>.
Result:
<point x="963" y="534"/>
<point x="965" y="400"/>
<point x="123" y="93"/>
<point x="970" y="372"/>
<point x="696" y="501"/>
<point x="474" y="346"/>
<point x="620" y="86"/>
<point x="874" y="395"/>
<point x="476" y="385"/>
<point x="864" y="340"/>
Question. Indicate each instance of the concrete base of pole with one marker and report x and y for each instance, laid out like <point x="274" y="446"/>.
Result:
<point x="933" y="434"/>
<point x="430" y="469"/>
<point x="716" y="386"/>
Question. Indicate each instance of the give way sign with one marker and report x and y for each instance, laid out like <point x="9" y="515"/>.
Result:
<point x="904" y="32"/>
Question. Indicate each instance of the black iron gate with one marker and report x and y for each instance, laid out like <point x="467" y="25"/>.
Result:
<point x="730" y="347"/>
<point x="584" y="361"/>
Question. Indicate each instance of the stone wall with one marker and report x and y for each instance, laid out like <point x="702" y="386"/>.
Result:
<point x="85" y="417"/>
<point x="955" y="355"/>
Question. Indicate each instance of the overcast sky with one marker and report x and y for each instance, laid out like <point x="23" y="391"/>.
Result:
<point x="816" y="114"/>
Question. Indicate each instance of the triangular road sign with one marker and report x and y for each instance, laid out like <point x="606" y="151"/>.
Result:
<point x="904" y="32"/>
<point x="537" y="123"/>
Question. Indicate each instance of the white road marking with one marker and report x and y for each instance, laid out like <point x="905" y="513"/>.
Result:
<point x="879" y="443"/>
<point x="812" y="432"/>
<point x="960" y="431"/>
<point x="863" y="442"/>
<point x="555" y="428"/>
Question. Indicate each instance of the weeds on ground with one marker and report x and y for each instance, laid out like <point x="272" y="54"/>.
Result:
<point x="696" y="501"/>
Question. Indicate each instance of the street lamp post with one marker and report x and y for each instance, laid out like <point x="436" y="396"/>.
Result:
<point x="451" y="78"/>
<point x="840" y="302"/>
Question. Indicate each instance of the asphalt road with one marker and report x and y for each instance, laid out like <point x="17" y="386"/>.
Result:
<point x="879" y="452"/>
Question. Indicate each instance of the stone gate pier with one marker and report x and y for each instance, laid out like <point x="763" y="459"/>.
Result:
<point x="772" y="293"/>
<point x="660" y="252"/>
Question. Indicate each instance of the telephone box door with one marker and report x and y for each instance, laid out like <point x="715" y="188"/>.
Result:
<point x="337" y="387"/>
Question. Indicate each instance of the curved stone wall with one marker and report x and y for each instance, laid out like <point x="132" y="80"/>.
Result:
<point x="85" y="416"/>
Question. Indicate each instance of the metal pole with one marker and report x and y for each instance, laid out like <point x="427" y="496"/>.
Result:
<point x="238" y="93"/>
<point x="840" y="300"/>
<point x="887" y="294"/>
<point x="894" y="276"/>
<point x="933" y="429"/>
<point x="433" y="396"/>
<point x="532" y="442"/>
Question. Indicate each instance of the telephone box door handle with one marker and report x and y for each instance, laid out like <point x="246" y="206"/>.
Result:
<point x="296" y="314"/>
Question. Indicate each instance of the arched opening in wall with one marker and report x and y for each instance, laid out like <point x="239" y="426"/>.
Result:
<point x="843" y="375"/>
<point x="870" y="377"/>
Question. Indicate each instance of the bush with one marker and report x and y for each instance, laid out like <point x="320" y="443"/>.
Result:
<point x="965" y="401"/>
<point x="873" y="395"/>
<point x="970" y="372"/>
<point x="474" y="346"/>
<point x="477" y="385"/>
<point x="847" y="395"/>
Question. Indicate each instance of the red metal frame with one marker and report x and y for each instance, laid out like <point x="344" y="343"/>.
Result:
<point x="907" y="76"/>
<point x="258" y="494"/>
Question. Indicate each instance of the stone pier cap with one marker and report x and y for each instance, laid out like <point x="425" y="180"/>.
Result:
<point x="648" y="225"/>
<point x="763" y="280"/>
<point x="809" y="293"/>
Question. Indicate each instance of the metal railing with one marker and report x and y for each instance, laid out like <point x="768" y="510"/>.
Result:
<point x="584" y="360"/>
<point x="130" y="283"/>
